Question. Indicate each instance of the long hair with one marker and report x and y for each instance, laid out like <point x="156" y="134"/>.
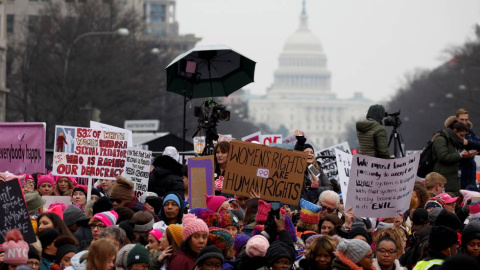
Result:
<point x="99" y="252"/>
<point x="252" y="208"/>
<point x="422" y="193"/>
<point x="171" y="241"/>
<point x="58" y="224"/>
<point x="69" y="190"/>
<point x="224" y="147"/>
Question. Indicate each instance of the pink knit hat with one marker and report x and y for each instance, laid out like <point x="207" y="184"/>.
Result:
<point x="157" y="233"/>
<point x="45" y="178"/>
<point x="192" y="224"/>
<point x="57" y="209"/>
<point x="474" y="210"/>
<point x="257" y="246"/>
<point x="109" y="218"/>
<point x="15" y="249"/>
<point x="214" y="202"/>
<point x="72" y="179"/>
<point x="262" y="212"/>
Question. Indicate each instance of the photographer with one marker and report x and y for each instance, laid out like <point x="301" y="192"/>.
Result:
<point x="372" y="135"/>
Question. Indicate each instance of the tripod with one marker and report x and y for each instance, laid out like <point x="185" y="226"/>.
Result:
<point x="397" y="145"/>
<point x="210" y="136"/>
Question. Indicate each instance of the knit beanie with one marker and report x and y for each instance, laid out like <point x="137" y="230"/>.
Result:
<point x="138" y="254"/>
<point x="360" y="231"/>
<point x="191" y="225"/>
<point x="278" y="250"/>
<point x="257" y="246"/>
<point x="81" y="188"/>
<point x="156" y="202"/>
<point x="376" y="112"/>
<point x="226" y="218"/>
<point x="72" y="214"/>
<point x="47" y="236"/>
<point x="309" y="212"/>
<point x="210" y="217"/>
<point x="441" y="237"/>
<point x="157" y="233"/>
<point x="33" y="253"/>
<point x="220" y="238"/>
<point x="96" y="192"/>
<point x="307" y="145"/>
<point x="177" y="233"/>
<point x="354" y="249"/>
<point x="34" y="201"/>
<point x="121" y="260"/>
<point x="214" y="202"/>
<point x="240" y="214"/>
<point x="420" y="216"/>
<point x="122" y="189"/>
<point x="239" y="242"/>
<point x="433" y="214"/>
<point x="73" y="180"/>
<point x="262" y="212"/>
<point x="470" y="232"/>
<point x="45" y="178"/>
<point x="171" y="197"/>
<point x="128" y="226"/>
<point x="144" y="196"/>
<point x="64" y="250"/>
<point x="474" y="210"/>
<point x="207" y="253"/>
<point x="144" y="227"/>
<point x="15" y="249"/>
<point x="56" y="209"/>
<point x="435" y="202"/>
<point x="109" y="218"/>
<point x="101" y="205"/>
<point x="289" y="226"/>
<point x="449" y="219"/>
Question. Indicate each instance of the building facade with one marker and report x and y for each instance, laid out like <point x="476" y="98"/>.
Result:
<point x="301" y="96"/>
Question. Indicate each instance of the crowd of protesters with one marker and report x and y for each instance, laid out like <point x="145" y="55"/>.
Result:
<point x="114" y="229"/>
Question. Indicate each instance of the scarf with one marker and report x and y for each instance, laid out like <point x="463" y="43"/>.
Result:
<point x="456" y="141"/>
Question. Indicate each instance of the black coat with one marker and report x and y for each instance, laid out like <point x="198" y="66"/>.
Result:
<point x="166" y="177"/>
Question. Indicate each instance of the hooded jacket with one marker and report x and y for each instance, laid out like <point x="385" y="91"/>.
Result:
<point x="180" y="211"/>
<point x="372" y="136"/>
<point x="166" y="177"/>
<point x="76" y="263"/>
<point x="447" y="160"/>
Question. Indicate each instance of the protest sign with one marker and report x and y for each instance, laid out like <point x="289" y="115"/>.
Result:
<point x="224" y="138"/>
<point x="200" y="180"/>
<point x="344" y="164"/>
<point x="329" y="166"/>
<point x="56" y="199"/>
<point x="282" y="145"/>
<point x="22" y="147"/>
<point x="102" y="126"/>
<point x="254" y="137"/>
<point x="275" y="172"/>
<point x="268" y="139"/>
<point x="84" y="152"/>
<point x="199" y="144"/>
<point x="137" y="169"/>
<point x="14" y="212"/>
<point x="292" y="139"/>
<point x="381" y="187"/>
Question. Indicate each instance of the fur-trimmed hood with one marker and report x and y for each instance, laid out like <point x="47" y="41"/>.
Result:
<point x="342" y="262"/>
<point x="449" y="121"/>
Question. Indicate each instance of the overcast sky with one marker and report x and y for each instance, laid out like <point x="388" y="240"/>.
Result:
<point x="370" y="44"/>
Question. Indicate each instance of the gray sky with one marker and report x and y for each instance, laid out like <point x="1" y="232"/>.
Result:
<point x="370" y="44"/>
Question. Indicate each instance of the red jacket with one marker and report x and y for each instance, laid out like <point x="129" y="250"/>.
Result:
<point x="179" y="260"/>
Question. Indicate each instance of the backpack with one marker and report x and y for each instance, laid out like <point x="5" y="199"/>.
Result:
<point x="427" y="161"/>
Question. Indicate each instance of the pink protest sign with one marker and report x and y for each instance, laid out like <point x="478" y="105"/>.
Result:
<point x="22" y="147"/>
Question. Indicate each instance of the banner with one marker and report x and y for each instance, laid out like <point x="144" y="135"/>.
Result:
<point x="381" y="187"/>
<point x="275" y="172"/>
<point x="14" y="212"/>
<point x="137" y="169"/>
<point x="268" y="139"/>
<point x="329" y="166"/>
<point x="254" y="137"/>
<point x="22" y="147"/>
<point x="344" y="163"/>
<point x="200" y="180"/>
<point x="85" y="151"/>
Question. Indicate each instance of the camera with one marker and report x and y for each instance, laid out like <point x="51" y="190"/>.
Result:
<point x="392" y="119"/>
<point x="208" y="116"/>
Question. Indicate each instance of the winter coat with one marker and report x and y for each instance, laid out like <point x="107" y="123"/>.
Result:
<point x="76" y="264"/>
<point x="396" y="265"/>
<point x="372" y="138"/>
<point x="250" y="263"/>
<point x="166" y="177"/>
<point x="305" y="264"/>
<point x="447" y="159"/>
<point x="84" y="237"/>
<point x="228" y="265"/>
<point x="179" y="260"/>
<point x="342" y="262"/>
<point x="435" y="259"/>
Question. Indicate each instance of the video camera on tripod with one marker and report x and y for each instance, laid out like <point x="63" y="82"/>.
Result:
<point x="392" y="119"/>
<point x="209" y="113"/>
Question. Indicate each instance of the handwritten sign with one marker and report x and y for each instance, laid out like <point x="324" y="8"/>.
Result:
<point x="199" y="144"/>
<point x="329" y="166"/>
<point x="344" y="164"/>
<point x="285" y="172"/>
<point x="84" y="152"/>
<point x="102" y="126"/>
<point x="200" y="180"/>
<point x="268" y="139"/>
<point x="137" y="169"/>
<point x="254" y="137"/>
<point x="381" y="187"/>
<point x="13" y="211"/>
<point x="292" y="139"/>
<point x="22" y="147"/>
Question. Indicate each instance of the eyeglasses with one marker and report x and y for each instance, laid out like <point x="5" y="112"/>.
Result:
<point x="389" y="252"/>
<point x="30" y="182"/>
<point x="115" y="200"/>
<point x="325" y="208"/>
<point x="99" y="226"/>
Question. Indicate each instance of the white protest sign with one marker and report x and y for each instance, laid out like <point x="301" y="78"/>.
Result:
<point x="252" y="137"/>
<point x="66" y="200"/>
<point x="199" y="144"/>
<point x="137" y="169"/>
<point x="102" y="126"/>
<point x="381" y="187"/>
<point x="344" y="163"/>
<point x="292" y="139"/>
<point x="224" y="138"/>
<point x="329" y="166"/>
<point x="268" y="139"/>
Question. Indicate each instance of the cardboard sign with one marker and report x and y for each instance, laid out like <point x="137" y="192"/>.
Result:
<point x="277" y="173"/>
<point x="381" y="187"/>
<point x="344" y="164"/>
<point x="14" y="212"/>
<point x="56" y="199"/>
<point x="199" y="144"/>
<point x="329" y="166"/>
<point x="268" y="139"/>
<point x="137" y="169"/>
<point x="84" y="152"/>
<point x="224" y="138"/>
<point x="200" y="180"/>
<point x="22" y="147"/>
<point x="254" y="137"/>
